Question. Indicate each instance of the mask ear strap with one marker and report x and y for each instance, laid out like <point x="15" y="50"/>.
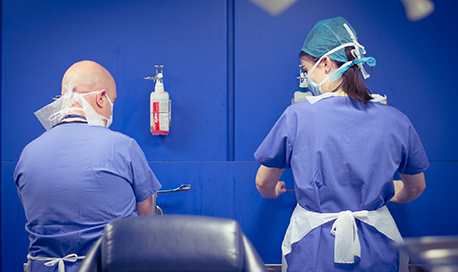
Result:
<point x="356" y="53"/>
<point x="67" y="104"/>
<point x="69" y="88"/>
<point x="93" y="118"/>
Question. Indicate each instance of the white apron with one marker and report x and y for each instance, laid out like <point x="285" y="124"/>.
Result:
<point x="52" y="261"/>
<point x="346" y="245"/>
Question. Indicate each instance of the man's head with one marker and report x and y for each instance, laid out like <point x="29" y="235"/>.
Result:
<point x="89" y="76"/>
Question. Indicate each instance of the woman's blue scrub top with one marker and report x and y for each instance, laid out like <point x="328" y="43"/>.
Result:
<point x="343" y="155"/>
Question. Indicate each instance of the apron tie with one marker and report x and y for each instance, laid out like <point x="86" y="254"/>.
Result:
<point x="60" y="261"/>
<point x="346" y="245"/>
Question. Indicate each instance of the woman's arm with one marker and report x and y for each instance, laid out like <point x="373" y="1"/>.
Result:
<point x="267" y="182"/>
<point x="409" y="188"/>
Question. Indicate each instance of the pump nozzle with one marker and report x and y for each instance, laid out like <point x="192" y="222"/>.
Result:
<point x="158" y="78"/>
<point x="159" y="75"/>
<point x="159" y="87"/>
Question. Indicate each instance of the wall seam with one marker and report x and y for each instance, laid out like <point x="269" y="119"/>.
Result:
<point x="230" y="82"/>
<point x="1" y="129"/>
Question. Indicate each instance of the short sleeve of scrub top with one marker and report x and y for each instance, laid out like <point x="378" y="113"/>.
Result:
<point x="144" y="182"/>
<point x="275" y="150"/>
<point x="414" y="159"/>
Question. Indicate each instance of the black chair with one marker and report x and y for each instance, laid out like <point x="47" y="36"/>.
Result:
<point x="172" y="243"/>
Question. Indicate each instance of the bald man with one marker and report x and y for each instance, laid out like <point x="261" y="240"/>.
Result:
<point x="79" y="175"/>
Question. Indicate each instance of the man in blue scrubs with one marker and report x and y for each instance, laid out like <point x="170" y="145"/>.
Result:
<point x="79" y="175"/>
<point x="343" y="147"/>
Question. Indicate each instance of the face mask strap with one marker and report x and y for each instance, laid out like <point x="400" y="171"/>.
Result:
<point x="337" y="73"/>
<point x="51" y="114"/>
<point x="356" y="53"/>
<point x="67" y="99"/>
<point x="109" y="100"/>
<point x="327" y="54"/>
<point x="90" y="113"/>
<point x="108" y="120"/>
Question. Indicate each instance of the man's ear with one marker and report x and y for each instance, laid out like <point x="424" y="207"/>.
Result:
<point x="99" y="98"/>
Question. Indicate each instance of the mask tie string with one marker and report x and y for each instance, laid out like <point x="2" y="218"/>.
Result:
<point x="66" y="106"/>
<point x="356" y="53"/>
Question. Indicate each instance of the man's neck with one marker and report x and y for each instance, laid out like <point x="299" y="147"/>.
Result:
<point x="74" y="116"/>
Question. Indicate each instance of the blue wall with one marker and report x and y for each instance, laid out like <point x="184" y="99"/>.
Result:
<point x="230" y="69"/>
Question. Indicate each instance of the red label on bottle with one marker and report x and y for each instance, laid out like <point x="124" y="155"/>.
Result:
<point x="156" y="123"/>
<point x="156" y="106"/>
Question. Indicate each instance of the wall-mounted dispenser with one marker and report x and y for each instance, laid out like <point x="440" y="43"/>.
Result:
<point x="303" y="92"/>
<point x="160" y="105"/>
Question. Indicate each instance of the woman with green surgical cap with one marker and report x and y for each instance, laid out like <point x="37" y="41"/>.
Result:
<point x="344" y="145"/>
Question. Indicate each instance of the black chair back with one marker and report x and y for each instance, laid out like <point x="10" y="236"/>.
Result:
<point x="173" y="243"/>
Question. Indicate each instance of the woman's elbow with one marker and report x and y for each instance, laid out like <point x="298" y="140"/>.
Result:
<point x="260" y="179"/>
<point x="421" y="188"/>
<point x="262" y="187"/>
<point x="259" y="183"/>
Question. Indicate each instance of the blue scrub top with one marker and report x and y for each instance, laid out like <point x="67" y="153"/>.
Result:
<point x="343" y="155"/>
<point x="72" y="181"/>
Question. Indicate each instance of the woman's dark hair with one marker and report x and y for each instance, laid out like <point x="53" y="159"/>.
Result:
<point x="352" y="82"/>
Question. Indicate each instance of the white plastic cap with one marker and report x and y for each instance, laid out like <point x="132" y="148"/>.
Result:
<point x="159" y="87"/>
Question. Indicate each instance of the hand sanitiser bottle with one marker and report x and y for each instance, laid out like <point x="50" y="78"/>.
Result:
<point x="160" y="106"/>
<point x="303" y="92"/>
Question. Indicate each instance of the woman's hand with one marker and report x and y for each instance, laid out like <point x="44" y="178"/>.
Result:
<point x="267" y="182"/>
<point x="279" y="189"/>
<point x="409" y="188"/>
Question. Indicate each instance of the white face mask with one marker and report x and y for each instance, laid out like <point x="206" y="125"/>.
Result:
<point x="314" y="87"/>
<point x="109" y="120"/>
<point x="52" y="114"/>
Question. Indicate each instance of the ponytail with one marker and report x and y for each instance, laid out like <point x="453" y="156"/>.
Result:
<point x="352" y="82"/>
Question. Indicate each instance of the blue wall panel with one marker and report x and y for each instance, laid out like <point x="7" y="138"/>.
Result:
<point x="211" y="190"/>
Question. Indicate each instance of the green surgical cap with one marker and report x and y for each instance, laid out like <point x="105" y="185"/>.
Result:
<point x="327" y="35"/>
